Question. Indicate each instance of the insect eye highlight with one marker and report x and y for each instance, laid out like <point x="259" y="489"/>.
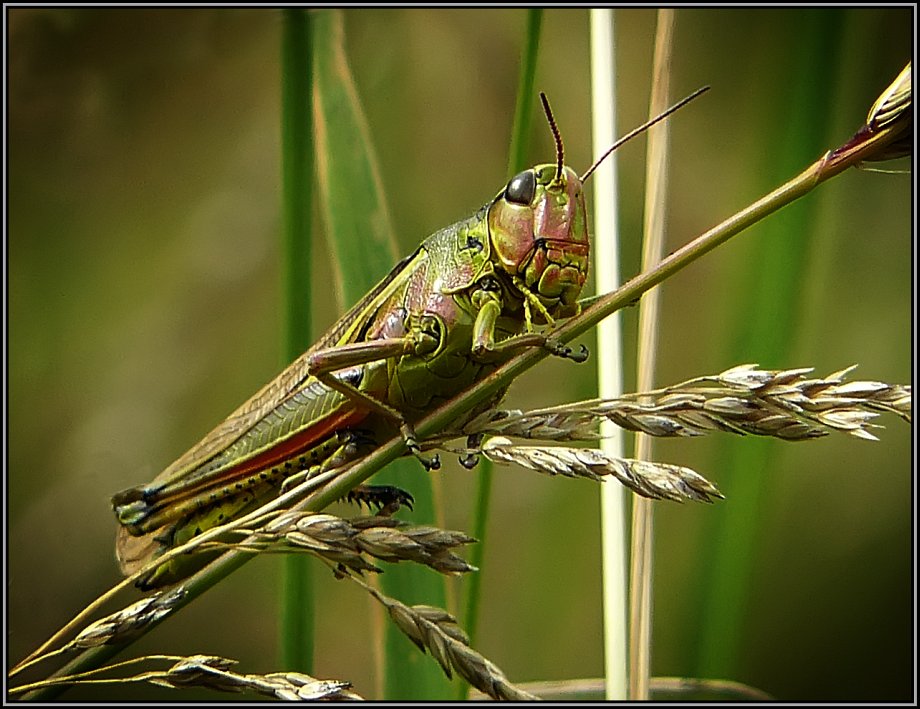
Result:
<point x="522" y="188"/>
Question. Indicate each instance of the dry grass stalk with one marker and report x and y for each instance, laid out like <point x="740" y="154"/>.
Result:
<point x="212" y="672"/>
<point x="691" y="688"/>
<point x="657" y="481"/>
<point x="343" y="542"/>
<point x="340" y="543"/>
<point x="436" y="630"/>
<point x="268" y="511"/>
<point x="743" y="400"/>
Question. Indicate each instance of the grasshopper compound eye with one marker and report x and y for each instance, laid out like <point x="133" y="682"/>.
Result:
<point x="522" y="188"/>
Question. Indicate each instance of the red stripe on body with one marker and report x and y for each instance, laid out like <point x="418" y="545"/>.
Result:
<point x="296" y="444"/>
<point x="284" y="450"/>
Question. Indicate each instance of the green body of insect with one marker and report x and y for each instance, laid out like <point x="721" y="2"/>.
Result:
<point x="447" y="315"/>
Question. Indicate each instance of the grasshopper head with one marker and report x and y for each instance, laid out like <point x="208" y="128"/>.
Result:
<point x="539" y="234"/>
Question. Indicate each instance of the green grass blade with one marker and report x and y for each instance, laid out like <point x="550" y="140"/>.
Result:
<point x="359" y="232"/>
<point x="523" y="106"/>
<point x="363" y="248"/>
<point x="297" y="602"/>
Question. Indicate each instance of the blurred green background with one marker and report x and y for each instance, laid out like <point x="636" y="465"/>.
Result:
<point x="144" y="298"/>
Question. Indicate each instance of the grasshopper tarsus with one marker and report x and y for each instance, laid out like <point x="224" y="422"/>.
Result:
<point x="433" y="463"/>
<point x="560" y="350"/>
<point x="470" y="460"/>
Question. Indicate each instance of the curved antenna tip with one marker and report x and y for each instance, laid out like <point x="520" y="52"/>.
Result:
<point x="560" y="152"/>
<point x="645" y="126"/>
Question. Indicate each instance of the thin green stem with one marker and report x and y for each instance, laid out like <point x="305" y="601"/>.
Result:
<point x="297" y="603"/>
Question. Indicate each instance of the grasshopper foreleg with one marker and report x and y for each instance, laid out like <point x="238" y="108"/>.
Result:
<point x="484" y="345"/>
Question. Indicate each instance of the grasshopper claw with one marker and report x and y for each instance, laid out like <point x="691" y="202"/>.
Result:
<point x="386" y="498"/>
<point x="559" y="350"/>
<point x="294" y="480"/>
<point x="580" y="356"/>
<point x="469" y="460"/>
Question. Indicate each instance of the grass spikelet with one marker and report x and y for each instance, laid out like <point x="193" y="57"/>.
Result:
<point x="888" y="131"/>
<point x="342" y="542"/>
<point x="782" y="404"/>
<point x="894" y="110"/>
<point x="211" y="672"/>
<point x="128" y="622"/>
<point x="435" y="630"/>
<point x="657" y="481"/>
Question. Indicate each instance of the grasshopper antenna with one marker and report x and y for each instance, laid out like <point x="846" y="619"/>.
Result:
<point x="560" y="152"/>
<point x="645" y="126"/>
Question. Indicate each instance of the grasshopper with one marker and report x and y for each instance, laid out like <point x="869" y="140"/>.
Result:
<point x="470" y="296"/>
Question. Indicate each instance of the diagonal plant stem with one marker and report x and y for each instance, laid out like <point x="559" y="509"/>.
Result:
<point x="869" y="143"/>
